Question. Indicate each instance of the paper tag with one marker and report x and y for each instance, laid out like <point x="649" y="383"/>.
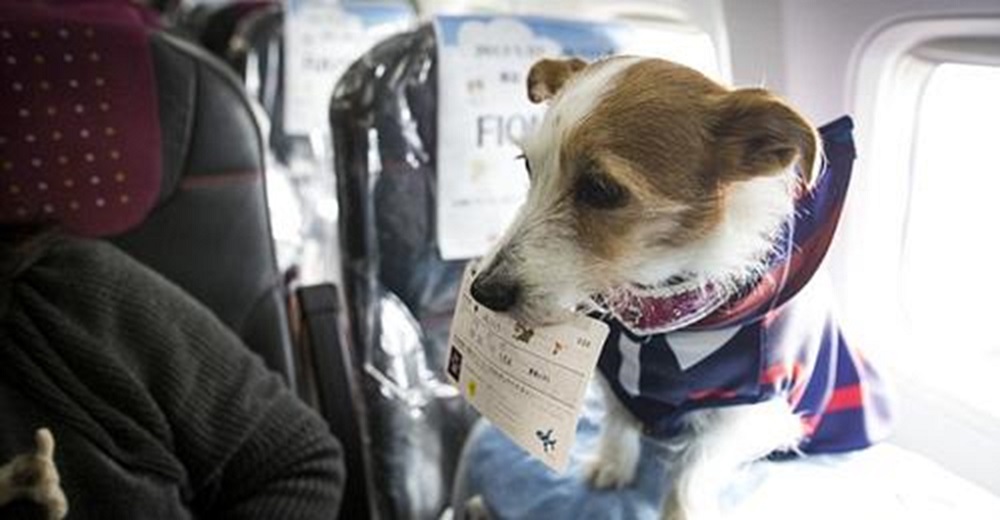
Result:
<point x="323" y="39"/>
<point x="530" y="383"/>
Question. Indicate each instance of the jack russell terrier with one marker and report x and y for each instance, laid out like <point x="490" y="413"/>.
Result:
<point x="690" y="217"/>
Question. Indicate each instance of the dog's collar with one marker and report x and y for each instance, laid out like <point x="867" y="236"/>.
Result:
<point x="670" y="305"/>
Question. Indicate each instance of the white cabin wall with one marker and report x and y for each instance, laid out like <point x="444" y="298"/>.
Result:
<point x="805" y="49"/>
<point x="821" y="37"/>
<point x="756" y="47"/>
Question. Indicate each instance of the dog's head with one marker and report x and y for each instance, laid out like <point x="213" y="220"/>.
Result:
<point x="643" y="170"/>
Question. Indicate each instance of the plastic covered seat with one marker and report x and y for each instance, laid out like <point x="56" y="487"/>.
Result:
<point x="400" y="292"/>
<point x="255" y="49"/>
<point x="249" y="38"/>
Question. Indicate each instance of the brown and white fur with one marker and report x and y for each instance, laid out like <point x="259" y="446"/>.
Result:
<point x="643" y="169"/>
<point x="34" y="477"/>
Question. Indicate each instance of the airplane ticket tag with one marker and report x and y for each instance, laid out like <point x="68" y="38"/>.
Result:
<point x="530" y="383"/>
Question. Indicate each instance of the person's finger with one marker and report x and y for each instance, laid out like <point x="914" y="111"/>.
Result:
<point x="45" y="443"/>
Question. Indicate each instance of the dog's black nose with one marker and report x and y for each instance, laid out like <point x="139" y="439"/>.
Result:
<point x="495" y="294"/>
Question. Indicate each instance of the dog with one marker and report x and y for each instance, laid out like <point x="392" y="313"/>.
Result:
<point x="660" y="200"/>
<point x="34" y="477"/>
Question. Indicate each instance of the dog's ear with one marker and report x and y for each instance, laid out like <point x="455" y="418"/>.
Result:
<point x="759" y="134"/>
<point x="547" y="76"/>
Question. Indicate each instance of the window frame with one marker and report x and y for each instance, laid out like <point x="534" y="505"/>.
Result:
<point x="891" y="69"/>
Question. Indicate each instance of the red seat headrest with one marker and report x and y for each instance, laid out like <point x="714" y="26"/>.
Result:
<point x="79" y="127"/>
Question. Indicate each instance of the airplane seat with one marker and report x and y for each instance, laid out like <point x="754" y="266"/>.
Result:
<point x="113" y="128"/>
<point x="400" y="292"/>
<point x="250" y="39"/>
<point x="214" y="24"/>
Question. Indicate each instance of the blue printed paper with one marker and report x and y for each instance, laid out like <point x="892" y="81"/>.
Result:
<point x="483" y="108"/>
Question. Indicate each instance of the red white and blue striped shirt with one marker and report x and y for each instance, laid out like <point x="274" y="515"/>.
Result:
<point x="778" y="339"/>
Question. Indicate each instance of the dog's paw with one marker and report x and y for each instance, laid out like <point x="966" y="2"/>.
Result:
<point x="611" y="472"/>
<point x="673" y="514"/>
<point x="475" y="509"/>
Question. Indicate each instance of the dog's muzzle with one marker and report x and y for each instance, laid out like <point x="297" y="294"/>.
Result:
<point x="495" y="288"/>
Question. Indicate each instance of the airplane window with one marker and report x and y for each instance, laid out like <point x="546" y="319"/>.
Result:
<point x="947" y="284"/>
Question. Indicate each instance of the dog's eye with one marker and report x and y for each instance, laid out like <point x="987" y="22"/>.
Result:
<point x="527" y="164"/>
<point x="599" y="191"/>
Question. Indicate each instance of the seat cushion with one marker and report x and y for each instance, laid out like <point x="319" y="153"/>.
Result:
<point x="210" y="232"/>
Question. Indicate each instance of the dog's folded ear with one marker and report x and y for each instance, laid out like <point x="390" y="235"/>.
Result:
<point x="547" y="76"/>
<point x="759" y="134"/>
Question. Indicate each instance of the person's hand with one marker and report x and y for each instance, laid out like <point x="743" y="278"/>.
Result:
<point x="34" y="477"/>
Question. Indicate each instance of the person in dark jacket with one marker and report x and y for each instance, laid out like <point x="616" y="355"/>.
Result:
<point x="158" y="410"/>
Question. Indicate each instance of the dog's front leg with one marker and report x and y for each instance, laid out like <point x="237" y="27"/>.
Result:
<point x="718" y="441"/>
<point x="617" y="457"/>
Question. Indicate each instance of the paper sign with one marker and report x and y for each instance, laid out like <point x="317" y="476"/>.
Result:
<point x="323" y="39"/>
<point x="530" y="383"/>
<point x="483" y="109"/>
